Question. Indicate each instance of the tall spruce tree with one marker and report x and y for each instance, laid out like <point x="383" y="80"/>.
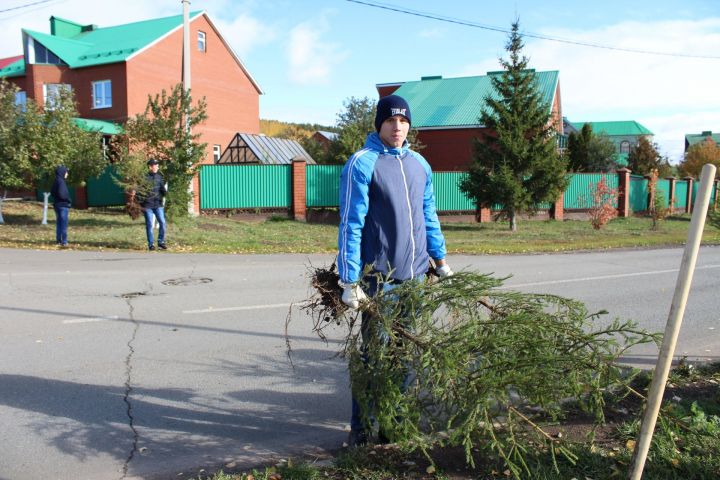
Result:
<point x="644" y="158"/>
<point x="517" y="165"/>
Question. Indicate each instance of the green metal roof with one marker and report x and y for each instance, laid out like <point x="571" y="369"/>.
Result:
<point x="92" y="125"/>
<point x="15" y="69"/>
<point x="456" y="102"/>
<point x="98" y="46"/>
<point x="615" y="129"/>
<point x="692" y="138"/>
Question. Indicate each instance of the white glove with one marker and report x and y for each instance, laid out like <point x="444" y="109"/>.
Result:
<point x="353" y="295"/>
<point x="444" y="271"/>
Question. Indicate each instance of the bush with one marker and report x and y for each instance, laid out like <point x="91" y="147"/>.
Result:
<point x="603" y="207"/>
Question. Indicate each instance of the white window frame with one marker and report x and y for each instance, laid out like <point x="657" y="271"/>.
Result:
<point x="102" y="94"/>
<point x="217" y="153"/>
<point x="625" y="146"/>
<point x="50" y="91"/>
<point x="202" y="41"/>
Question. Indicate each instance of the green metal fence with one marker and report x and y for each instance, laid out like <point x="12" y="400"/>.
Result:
<point x="448" y="196"/>
<point x="102" y="191"/>
<point x="579" y="193"/>
<point x="322" y="185"/>
<point x="638" y="193"/>
<point x="270" y="186"/>
<point x="245" y="186"/>
<point x="681" y="190"/>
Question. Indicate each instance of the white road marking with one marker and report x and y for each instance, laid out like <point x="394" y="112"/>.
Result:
<point x="90" y="320"/>
<point x="603" y="277"/>
<point x="235" y="309"/>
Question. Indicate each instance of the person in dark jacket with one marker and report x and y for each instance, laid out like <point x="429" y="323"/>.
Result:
<point x="152" y="206"/>
<point x="388" y="220"/>
<point x="61" y="205"/>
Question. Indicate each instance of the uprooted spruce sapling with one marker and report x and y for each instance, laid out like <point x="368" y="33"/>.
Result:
<point x="485" y="364"/>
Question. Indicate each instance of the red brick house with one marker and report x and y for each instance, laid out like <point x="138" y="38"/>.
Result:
<point x="112" y="70"/>
<point x="446" y="112"/>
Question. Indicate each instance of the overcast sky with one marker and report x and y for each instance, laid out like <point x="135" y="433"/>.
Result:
<point x="310" y="56"/>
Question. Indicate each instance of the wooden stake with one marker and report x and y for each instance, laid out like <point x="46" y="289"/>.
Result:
<point x="672" y="329"/>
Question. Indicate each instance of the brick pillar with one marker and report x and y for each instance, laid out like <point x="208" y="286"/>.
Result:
<point x="688" y="196"/>
<point x="557" y="211"/>
<point x="299" y="197"/>
<point x="81" y="201"/>
<point x="483" y="215"/>
<point x="623" y="200"/>
<point x="196" y="192"/>
<point x="671" y="194"/>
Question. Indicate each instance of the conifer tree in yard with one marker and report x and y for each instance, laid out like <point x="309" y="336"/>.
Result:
<point x="644" y="158"/>
<point x="588" y="152"/>
<point x="518" y="166"/>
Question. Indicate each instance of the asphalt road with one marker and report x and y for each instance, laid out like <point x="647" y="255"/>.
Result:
<point x="155" y="365"/>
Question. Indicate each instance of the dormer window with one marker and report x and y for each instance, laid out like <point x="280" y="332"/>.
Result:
<point x="38" y="53"/>
<point x="201" y="42"/>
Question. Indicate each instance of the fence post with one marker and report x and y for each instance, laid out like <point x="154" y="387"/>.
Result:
<point x="688" y="196"/>
<point x="671" y="194"/>
<point x="299" y="196"/>
<point x="557" y="211"/>
<point x="81" y="200"/>
<point x="623" y="192"/>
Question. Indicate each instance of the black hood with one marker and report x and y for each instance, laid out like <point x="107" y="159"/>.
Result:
<point x="61" y="171"/>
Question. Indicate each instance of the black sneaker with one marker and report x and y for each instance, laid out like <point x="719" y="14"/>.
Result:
<point x="357" y="438"/>
<point x="151" y="247"/>
<point x="162" y="246"/>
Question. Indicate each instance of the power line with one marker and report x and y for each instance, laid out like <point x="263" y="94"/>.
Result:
<point x="467" y="23"/>
<point x="25" y="6"/>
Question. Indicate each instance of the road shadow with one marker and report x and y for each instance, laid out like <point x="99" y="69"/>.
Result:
<point x="293" y="408"/>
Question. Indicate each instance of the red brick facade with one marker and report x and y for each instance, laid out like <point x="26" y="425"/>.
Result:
<point x="233" y="101"/>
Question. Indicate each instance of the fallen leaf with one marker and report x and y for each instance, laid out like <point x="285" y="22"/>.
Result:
<point x="630" y="444"/>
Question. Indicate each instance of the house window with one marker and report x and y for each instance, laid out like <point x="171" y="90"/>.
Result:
<point x="217" y="152"/>
<point x="38" y="53"/>
<point x="201" y="41"/>
<point x="102" y="94"/>
<point x="21" y="99"/>
<point x="625" y="147"/>
<point x="51" y="93"/>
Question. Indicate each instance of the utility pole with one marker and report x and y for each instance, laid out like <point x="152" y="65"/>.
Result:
<point x="186" y="83"/>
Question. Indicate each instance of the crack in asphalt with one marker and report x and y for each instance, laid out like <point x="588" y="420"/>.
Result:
<point x="128" y="383"/>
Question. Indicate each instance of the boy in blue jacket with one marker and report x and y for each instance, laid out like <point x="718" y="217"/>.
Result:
<point x="387" y="218"/>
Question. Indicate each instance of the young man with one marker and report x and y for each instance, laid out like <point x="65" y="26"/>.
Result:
<point x="387" y="217"/>
<point x="61" y="205"/>
<point x="152" y="205"/>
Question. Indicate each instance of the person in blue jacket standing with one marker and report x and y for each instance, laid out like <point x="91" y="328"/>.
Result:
<point x="61" y="205"/>
<point x="388" y="219"/>
<point x="152" y="206"/>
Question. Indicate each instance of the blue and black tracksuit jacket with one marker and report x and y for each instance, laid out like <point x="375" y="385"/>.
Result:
<point x="387" y="213"/>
